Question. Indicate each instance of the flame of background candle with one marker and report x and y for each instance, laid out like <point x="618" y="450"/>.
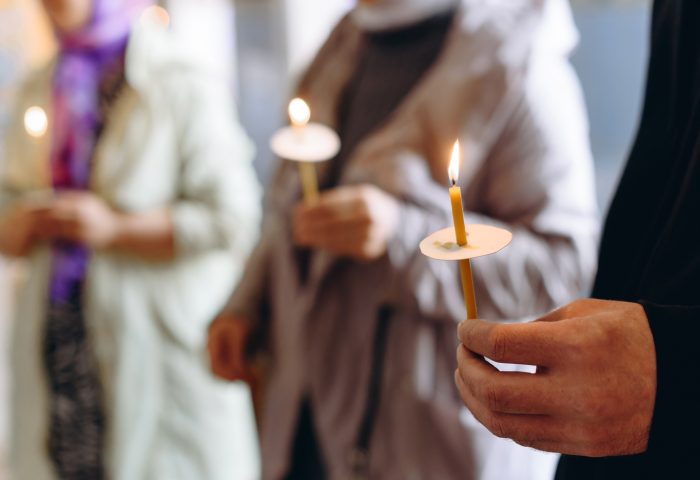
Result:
<point x="299" y="112"/>
<point x="157" y="15"/>
<point x="453" y="170"/>
<point x="35" y="121"/>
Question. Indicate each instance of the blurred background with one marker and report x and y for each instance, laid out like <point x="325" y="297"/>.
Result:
<point x="262" y="45"/>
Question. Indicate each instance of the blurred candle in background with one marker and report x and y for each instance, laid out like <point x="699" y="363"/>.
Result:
<point x="36" y="122"/>
<point x="299" y="115"/>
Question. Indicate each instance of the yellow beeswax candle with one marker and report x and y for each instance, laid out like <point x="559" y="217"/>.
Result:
<point x="465" y="271"/>
<point x="465" y="266"/>
<point x="300" y="114"/>
<point x="309" y="182"/>
<point x="458" y="215"/>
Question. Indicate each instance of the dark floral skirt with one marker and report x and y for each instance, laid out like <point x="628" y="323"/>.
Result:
<point x="77" y="421"/>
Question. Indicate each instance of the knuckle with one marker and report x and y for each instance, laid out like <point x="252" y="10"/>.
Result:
<point x="499" y="341"/>
<point x="493" y="397"/>
<point x="366" y="209"/>
<point x="471" y="385"/>
<point x="582" y="302"/>
<point x="466" y="333"/>
<point x="577" y="307"/>
<point x="534" y="441"/>
<point x="497" y="426"/>
<point x="566" y="311"/>
<point x="576" y="346"/>
<point x="468" y="382"/>
<point x="601" y="338"/>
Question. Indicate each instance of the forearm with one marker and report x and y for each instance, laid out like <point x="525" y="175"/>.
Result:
<point x="534" y="274"/>
<point x="146" y="235"/>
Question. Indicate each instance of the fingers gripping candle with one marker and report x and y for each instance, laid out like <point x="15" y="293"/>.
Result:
<point x="465" y="266"/>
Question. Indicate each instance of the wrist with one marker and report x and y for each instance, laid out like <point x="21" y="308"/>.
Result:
<point x="118" y="230"/>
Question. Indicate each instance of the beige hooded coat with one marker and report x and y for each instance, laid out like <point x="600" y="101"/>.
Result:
<point x="504" y="86"/>
<point x="171" y="141"/>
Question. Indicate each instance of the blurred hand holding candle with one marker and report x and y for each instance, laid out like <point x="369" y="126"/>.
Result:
<point x="462" y="244"/>
<point x="305" y="143"/>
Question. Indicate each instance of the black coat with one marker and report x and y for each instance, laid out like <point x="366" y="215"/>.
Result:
<point x="650" y="251"/>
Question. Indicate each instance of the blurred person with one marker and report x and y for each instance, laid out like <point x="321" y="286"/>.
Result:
<point x="129" y="190"/>
<point x="617" y="386"/>
<point x="362" y="327"/>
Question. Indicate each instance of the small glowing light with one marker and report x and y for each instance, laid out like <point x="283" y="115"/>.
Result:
<point x="453" y="170"/>
<point x="36" y="122"/>
<point x="299" y="112"/>
<point x="156" y="14"/>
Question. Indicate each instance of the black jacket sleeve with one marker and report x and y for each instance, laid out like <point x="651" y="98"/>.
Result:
<point x="676" y="423"/>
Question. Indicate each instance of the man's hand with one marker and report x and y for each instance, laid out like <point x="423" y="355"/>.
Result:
<point x="228" y="336"/>
<point x="354" y="221"/>
<point x="80" y="217"/>
<point x="594" y="390"/>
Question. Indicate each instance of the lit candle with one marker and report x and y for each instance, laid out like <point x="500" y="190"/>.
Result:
<point x="157" y="15"/>
<point x="36" y="122"/>
<point x="465" y="266"/>
<point x="299" y="115"/>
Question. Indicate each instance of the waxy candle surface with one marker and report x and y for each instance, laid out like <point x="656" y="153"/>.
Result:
<point x="458" y="215"/>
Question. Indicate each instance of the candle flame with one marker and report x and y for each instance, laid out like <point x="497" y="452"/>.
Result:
<point x="299" y="112"/>
<point x="35" y="121"/>
<point x="453" y="170"/>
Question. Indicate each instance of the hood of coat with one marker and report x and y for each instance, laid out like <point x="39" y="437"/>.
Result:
<point x="557" y="31"/>
<point x="155" y="51"/>
<point x="378" y="15"/>
<point x="464" y="95"/>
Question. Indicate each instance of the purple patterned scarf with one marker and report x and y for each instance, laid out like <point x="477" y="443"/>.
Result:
<point x="86" y="57"/>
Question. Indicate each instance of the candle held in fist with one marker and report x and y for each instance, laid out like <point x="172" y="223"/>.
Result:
<point x="465" y="266"/>
<point x="299" y="115"/>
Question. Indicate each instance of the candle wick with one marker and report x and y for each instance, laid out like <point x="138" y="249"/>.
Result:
<point x="453" y="182"/>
